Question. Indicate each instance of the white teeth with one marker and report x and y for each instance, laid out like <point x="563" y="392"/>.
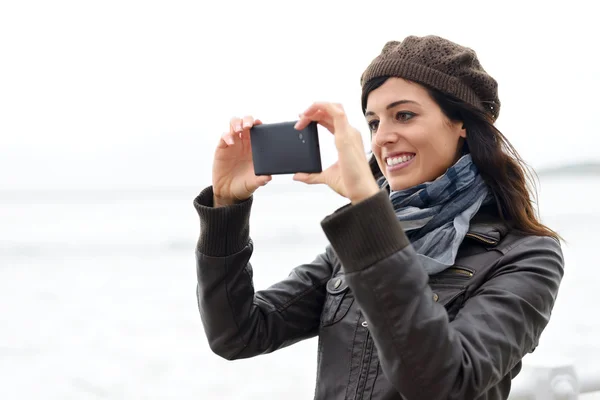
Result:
<point x="398" y="160"/>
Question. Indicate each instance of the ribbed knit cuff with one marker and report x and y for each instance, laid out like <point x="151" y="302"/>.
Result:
<point x="365" y="233"/>
<point x="223" y="230"/>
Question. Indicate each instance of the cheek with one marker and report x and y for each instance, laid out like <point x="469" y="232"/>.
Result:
<point x="375" y="148"/>
<point x="439" y="143"/>
<point x="421" y="140"/>
<point x="436" y="147"/>
<point x="439" y="155"/>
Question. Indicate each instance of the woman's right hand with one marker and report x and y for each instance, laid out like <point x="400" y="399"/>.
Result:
<point x="233" y="171"/>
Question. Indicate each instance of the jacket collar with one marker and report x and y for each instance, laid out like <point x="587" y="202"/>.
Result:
<point x="487" y="227"/>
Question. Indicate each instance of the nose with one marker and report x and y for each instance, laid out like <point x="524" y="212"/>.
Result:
<point x="385" y="135"/>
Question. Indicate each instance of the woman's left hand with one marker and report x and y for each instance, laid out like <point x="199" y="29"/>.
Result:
<point x="351" y="175"/>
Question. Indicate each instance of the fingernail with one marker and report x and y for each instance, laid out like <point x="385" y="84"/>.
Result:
<point x="247" y="124"/>
<point x="238" y="127"/>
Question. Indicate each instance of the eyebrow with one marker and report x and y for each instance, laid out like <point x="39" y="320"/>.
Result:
<point x="392" y="105"/>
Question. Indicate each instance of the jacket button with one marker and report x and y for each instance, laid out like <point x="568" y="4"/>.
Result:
<point x="337" y="283"/>
<point x="436" y="297"/>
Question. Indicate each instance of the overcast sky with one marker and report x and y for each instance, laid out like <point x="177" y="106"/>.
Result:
<point x="119" y="93"/>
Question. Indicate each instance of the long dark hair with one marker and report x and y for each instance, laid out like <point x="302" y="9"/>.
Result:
<point x="504" y="171"/>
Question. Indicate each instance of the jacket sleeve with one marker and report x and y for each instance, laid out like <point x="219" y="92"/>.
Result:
<point x="423" y="354"/>
<point x="239" y="322"/>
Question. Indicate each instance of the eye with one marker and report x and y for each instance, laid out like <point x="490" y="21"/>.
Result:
<point x="404" y="116"/>
<point x="373" y="125"/>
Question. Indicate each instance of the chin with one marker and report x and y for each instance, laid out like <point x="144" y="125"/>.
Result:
<point x="398" y="183"/>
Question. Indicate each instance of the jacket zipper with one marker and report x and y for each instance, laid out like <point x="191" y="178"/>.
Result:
<point x="364" y="369"/>
<point x="461" y="271"/>
<point x="481" y="238"/>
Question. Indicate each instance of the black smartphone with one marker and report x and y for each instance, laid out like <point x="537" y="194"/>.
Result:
<point x="279" y="149"/>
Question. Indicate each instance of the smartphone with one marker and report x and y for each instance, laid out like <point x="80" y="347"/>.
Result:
<point x="279" y="149"/>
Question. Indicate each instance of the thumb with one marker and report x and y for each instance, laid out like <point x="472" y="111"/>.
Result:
<point x="262" y="180"/>
<point x="310" y="179"/>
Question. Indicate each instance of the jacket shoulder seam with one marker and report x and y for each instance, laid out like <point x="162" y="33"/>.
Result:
<point x="300" y="295"/>
<point x="287" y="304"/>
<point x="520" y="242"/>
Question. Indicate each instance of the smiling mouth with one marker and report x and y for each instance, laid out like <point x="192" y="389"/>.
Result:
<point x="393" y="161"/>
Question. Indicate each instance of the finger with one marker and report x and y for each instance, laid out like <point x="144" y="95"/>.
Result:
<point x="235" y="125"/>
<point x="227" y="139"/>
<point x="334" y="110"/>
<point x="328" y="114"/>
<point x="247" y="122"/>
<point x="320" y="117"/>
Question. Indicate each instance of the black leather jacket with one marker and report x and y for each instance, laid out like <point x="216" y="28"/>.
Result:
<point x="386" y="329"/>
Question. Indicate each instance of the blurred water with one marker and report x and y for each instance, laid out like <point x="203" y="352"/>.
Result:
<point x="98" y="302"/>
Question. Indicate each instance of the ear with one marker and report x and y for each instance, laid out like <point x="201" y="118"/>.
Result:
<point x="462" y="131"/>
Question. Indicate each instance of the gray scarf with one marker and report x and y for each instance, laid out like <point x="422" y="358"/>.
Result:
<point x="436" y="215"/>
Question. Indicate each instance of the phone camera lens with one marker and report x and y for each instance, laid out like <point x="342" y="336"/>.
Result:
<point x="300" y="136"/>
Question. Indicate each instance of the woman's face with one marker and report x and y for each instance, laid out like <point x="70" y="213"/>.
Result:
<point x="412" y="140"/>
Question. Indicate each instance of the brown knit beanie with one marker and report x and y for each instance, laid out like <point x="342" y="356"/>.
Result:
<point x="441" y="64"/>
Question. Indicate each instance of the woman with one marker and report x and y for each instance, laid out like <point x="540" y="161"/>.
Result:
<point x="439" y="278"/>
